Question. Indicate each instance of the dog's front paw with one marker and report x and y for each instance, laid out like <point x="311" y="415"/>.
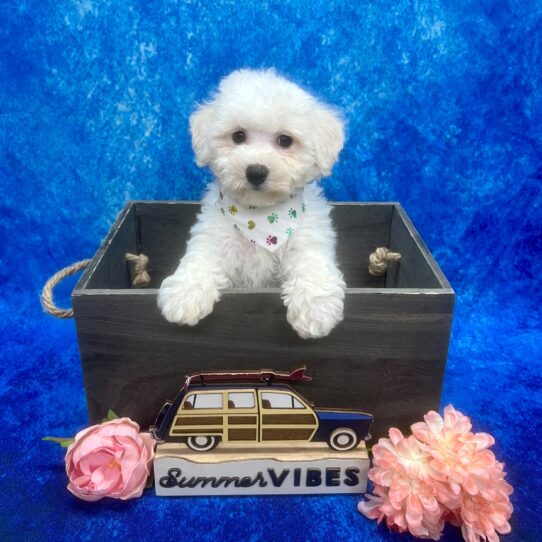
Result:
<point x="314" y="316"/>
<point x="186" y="302"/>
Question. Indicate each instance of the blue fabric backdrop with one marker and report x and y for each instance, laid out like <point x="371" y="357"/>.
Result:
<point x="444" y="109"/>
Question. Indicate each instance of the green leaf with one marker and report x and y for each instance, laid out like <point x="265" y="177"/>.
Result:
<point x="62" y="441"/>
<point x="111" y="415"/>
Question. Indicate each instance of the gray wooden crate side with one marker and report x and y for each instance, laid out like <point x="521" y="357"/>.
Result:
<point x="163" y="233"/>
<point x="360" y="229"/>
<point x="413" y="271"/>
<point x="417" y="268"/>
<point x="387" y="357"/>
<point x="164" y="228"/>
<point x="108" y="268"/>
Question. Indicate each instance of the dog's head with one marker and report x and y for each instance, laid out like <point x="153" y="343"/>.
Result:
<point x="264" y="137"/>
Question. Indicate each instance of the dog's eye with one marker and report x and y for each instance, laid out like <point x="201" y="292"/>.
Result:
<point x="284" y="141"/>
<point x="239" y="137"/>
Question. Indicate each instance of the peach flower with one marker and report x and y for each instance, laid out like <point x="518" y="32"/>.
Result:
<point x="406" y="486"/>
<point x="442" y="472"/>
<point x="112" y="459"/>
<point x="483" y="519"/>
<point x="462" y="456"/>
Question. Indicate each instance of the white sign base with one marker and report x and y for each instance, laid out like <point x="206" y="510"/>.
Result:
<point x="313" y="468"/>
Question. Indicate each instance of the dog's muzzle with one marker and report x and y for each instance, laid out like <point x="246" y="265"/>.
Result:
<point x="256" y="174"/>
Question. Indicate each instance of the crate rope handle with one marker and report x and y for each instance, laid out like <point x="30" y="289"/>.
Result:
<point x="47" y="301"/>
<point x="140" y="278"/>
<point x="139" y="264"/>
<point x="380" y="259"/>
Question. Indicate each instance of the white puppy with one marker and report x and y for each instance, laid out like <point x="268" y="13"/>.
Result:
<point x="261" y="223"/>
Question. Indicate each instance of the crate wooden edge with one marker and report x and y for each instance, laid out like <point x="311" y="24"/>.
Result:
<point x="102" y="249"/>
<point x="420" y="243"/>
<point x="129" y="211"/>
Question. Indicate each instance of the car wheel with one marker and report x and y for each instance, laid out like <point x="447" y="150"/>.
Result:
<point x="343" y="439"/>
<point x="202" y="443"/>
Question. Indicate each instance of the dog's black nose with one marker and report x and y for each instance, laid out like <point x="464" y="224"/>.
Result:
<point x="256" y="174"/>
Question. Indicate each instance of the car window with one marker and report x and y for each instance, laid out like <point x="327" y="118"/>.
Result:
<point x="189" y="402"/>
<point x="280" y="400"/>
<point x="203" y="400"/>
<point x="241" y="399"/>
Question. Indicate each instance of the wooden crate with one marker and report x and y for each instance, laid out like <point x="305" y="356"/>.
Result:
<point x="387" y="357"/>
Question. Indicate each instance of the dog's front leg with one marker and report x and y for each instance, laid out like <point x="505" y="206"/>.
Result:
<point x="313" y="289"/>
<point x="190" y="293"/>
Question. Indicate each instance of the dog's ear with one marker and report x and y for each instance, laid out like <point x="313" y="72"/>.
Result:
<point x="200" y="129"/>
<point x="328" y="138"/>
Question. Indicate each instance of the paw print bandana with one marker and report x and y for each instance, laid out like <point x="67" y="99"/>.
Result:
<point x="267" y="227"/>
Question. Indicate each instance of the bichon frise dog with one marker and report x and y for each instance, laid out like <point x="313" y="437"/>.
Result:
<point x="262" y="223"/>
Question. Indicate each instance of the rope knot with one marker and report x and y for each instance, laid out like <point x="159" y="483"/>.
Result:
<point x="138" y="263"/>
<point x="380" y="259"/>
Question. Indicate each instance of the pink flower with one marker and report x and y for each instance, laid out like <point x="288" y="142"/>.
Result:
<point x="112" y="459"/>
<point x="442" y="472"/>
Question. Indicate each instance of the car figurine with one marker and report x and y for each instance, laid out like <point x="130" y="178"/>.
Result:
<point x="254" y="407"/>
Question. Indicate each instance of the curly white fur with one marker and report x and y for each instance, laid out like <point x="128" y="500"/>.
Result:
<point x="263" y="105"/>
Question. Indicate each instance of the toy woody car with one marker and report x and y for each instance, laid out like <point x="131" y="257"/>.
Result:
<point x="254" y="407"/>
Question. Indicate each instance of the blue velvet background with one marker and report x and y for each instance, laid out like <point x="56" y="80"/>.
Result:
<point x="444" y="107"/>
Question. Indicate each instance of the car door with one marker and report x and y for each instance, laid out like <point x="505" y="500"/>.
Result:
<point x="285" y="417"/>
<point x="242" y="415"/>
<point x="201" y="413"/>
